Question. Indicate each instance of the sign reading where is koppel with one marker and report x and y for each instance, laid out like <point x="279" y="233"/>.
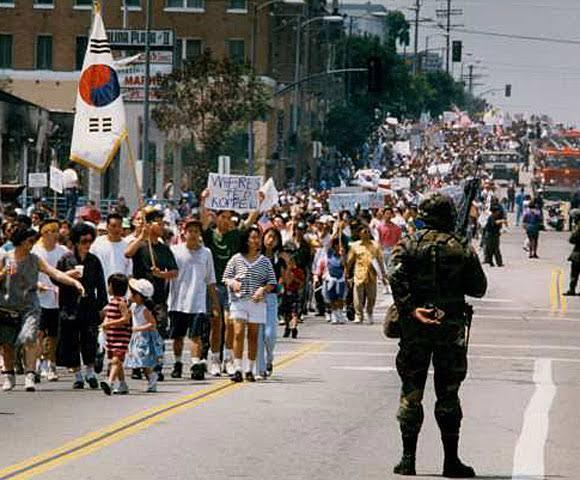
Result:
<point x="123" y="39"/>
<point x="233" y="192"/>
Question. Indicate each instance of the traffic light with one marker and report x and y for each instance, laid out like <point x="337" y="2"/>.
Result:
<point x="508" y="90"/>
<point x="376" y="80"/>
<point x="456" y="49"/>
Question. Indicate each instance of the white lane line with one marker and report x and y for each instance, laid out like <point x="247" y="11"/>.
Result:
<point x="471" y="357"/>
<point x="525" y="318"/>
<point x="529" y="451"/>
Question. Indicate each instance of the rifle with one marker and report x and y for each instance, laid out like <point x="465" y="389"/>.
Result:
<point x="471" y="190"/>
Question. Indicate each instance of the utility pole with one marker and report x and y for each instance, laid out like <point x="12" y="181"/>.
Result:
<point x="470" y="79"/>
<point x="448" y="38"/>
<point x="446" y="14"/>
<point x="147" y="170"/>
<point x="416" y="46"/>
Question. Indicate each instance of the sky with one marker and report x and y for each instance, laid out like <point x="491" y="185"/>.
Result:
<point x="545" y="77"/>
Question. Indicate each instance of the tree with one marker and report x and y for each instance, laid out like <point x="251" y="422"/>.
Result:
<point x="397" y="30"/>
<point x="205" y="102"/>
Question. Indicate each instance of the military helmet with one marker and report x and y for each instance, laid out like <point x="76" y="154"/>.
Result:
<point x="438" y="211"/>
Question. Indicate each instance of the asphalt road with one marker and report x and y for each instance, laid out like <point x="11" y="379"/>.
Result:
<point x="329" y="411"/>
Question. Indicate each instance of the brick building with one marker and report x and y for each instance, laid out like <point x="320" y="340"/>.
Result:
<point x="42" y="45"/>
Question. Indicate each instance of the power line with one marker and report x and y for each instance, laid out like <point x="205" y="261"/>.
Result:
<point x="487" y="33"/>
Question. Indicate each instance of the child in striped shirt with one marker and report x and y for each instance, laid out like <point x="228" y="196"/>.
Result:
<point x="117" y="327"/>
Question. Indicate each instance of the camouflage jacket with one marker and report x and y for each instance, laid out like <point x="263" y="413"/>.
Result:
<point x="437" y="268"/>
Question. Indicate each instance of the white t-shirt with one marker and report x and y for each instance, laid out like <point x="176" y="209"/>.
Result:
<point x="112" y="256"/>
<point x="187" y="293"/>
<point x="49" y="298"/>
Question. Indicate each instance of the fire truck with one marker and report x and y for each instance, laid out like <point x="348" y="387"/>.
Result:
<point x="557" y="166"/>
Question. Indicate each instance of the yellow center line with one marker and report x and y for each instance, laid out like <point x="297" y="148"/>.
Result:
<point x="563" y="300"/>
<point x="554" y="292"/>
<point x="130" y="425"/>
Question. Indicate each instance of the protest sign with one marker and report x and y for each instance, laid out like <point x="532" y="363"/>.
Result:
<point x="339" y="202"/>
<point x="400" y="183"/>
<point x="37" y="180"/>
<point x="270" y="195"/>
<point x="56" y="180"/>
<point x="346" y="190"/>
<point x="402" y="148"/>
<point x="367" y="178"/>
<point x="441" y="169"/>
<point x="233" y="192"/>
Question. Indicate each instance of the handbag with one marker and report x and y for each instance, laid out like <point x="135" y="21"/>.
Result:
<point x="391" y="323"/>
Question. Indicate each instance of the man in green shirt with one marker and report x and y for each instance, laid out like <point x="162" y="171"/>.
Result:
<point x="223" y="239"/>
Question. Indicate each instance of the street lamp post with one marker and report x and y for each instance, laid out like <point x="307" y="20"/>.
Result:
<point x="257" y="8"/>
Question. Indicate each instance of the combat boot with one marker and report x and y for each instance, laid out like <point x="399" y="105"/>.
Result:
<point x="452" y="466"/>
<point x="406" y="466"/>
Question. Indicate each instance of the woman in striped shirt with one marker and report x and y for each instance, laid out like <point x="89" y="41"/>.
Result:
<point x="117" y="326"/>
<point x="249" y="276"/>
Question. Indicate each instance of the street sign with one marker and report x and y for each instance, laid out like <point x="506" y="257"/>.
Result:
<point x="224" y="163"/>
<point x="132" y="76"/>
<point x="122" y="39"/>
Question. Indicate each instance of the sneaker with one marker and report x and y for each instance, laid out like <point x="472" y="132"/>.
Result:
<point x="197" y="372"/>
<point x="370" y="319"/>
<point x="9" y="381"/>
<point x="250" y="377"/>
<point x="152" y="383"/>
<point x="106" y="387"/>
<point x="177" y="370"/>
<point x="93" y="382"/>
<point x="329" y="317"/>
<point x="569" y="293"/>
<point x="78" y="384"/>
<point x="121" y="389"/>
<point x="52" y="376"/>
<point x="334" y="318"/>
<point x="229" y="366"/>
<point x="29" y="382"/>
<point x="237" y="377"/>
<point x="281" y="322"/>
<point x="357" y="319"/>
<point x="214" y="368"/>
<point x="269" y="369"/>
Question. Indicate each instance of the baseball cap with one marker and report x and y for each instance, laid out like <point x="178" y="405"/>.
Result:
<point x="142" y="287"/>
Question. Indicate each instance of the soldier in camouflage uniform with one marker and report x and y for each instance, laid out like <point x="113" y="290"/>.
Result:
<point x="430" y="274"/>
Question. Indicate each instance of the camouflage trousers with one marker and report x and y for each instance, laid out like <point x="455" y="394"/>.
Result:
<point x="445" y="346"/>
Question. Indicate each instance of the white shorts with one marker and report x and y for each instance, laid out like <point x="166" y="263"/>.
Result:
<point x="248" y="311"/>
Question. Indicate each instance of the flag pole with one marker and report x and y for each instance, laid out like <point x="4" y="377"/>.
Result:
<point x="139" y="195"/>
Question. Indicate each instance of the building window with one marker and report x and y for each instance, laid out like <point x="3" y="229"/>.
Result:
<point x="238" y="5"/>
<point x="80" y="51"/>
<point x="133" y="3"/>
<point x="237" y="51"/>
<point x="44" y="52"/>
<point x="43" y="3"/>
<point x="5" y="51"/>
<point x="84" y="3"/>
<point x="186" y="4"/>
<point x="187" y="49"/>
<point x="7" y="3"/>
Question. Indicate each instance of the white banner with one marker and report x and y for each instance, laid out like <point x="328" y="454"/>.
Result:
<point x="56" y="180"/>
<point x="270" y="195"/>
<point x="99" y="125"/>
<point x="441" y="169"/>
<point x="233" y="192"/>
<point x="402" y="148"/>
<point x="366" y="200"/>
<point x="37" y="180"/>
<point x="400" y="183"/>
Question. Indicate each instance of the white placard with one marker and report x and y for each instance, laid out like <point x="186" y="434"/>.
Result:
<point x="37" y="180"/>
<point x="366" y="200"/>
<point x="233" y="192"/>
<point x="400" y="183"/>
<point x="270" y="195"/>
<point x="56" y="179"/>
<point x="402" y="148"/>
